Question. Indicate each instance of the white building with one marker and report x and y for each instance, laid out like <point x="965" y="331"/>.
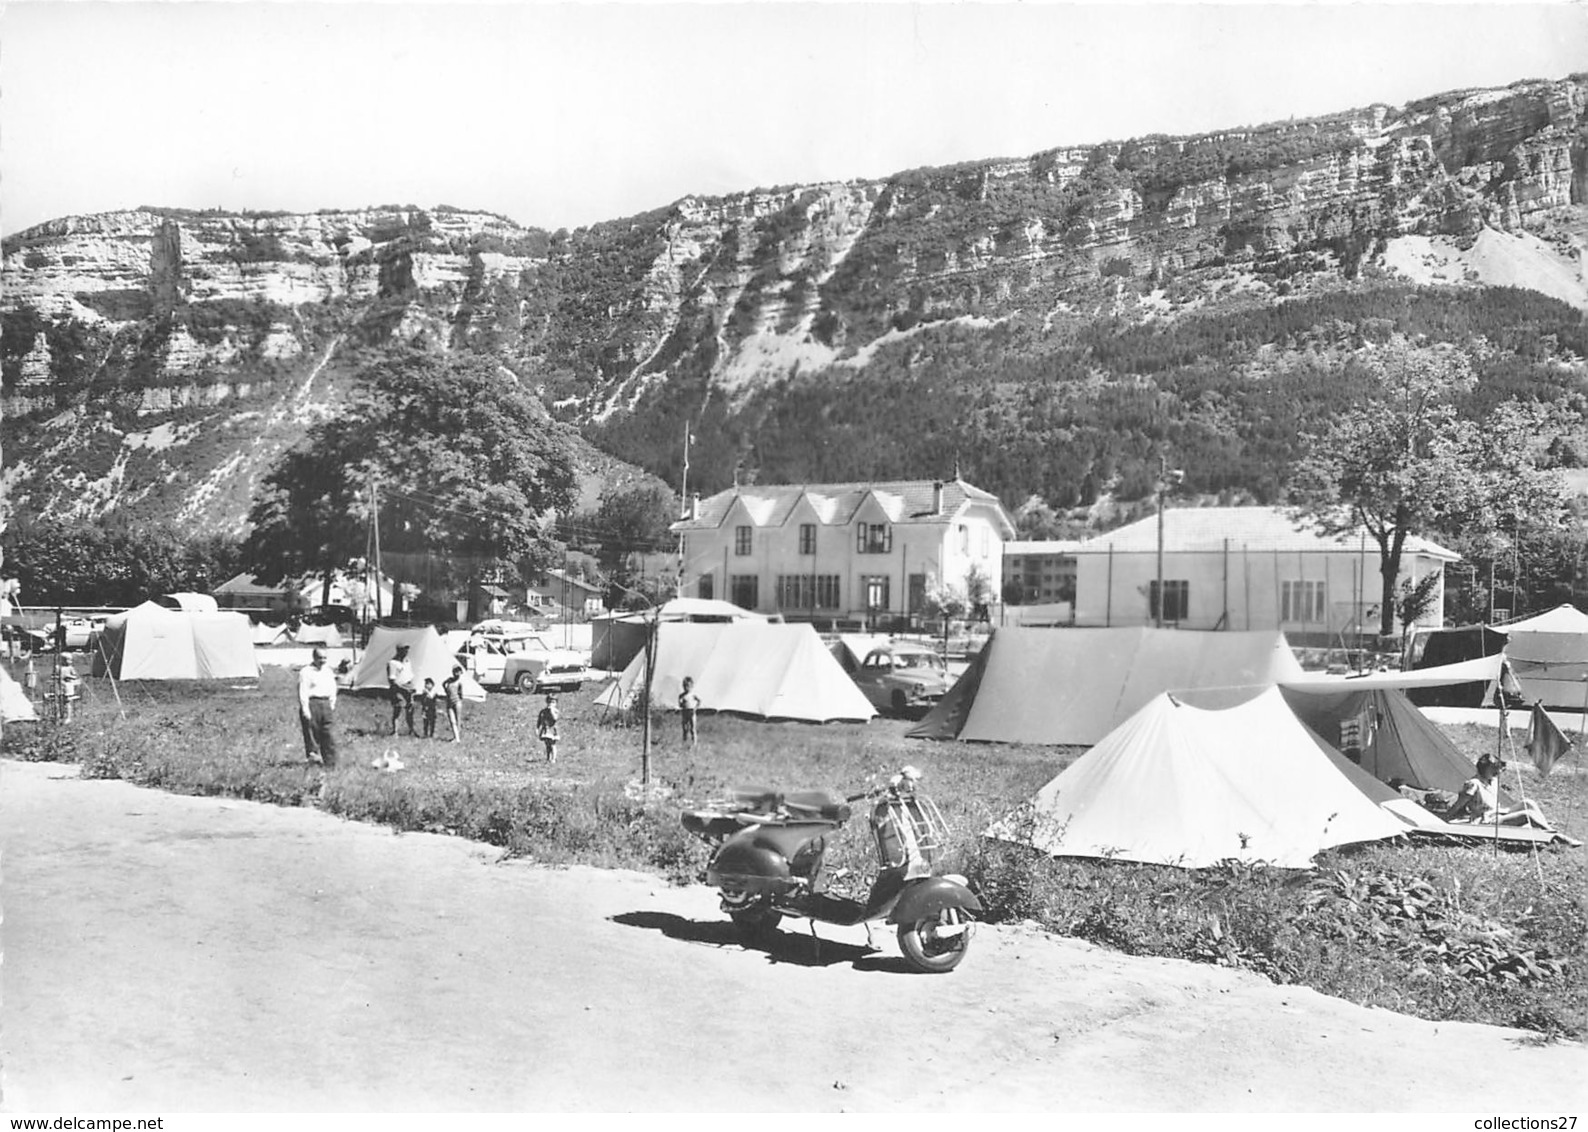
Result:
<point x="842" y="552"/>
<point x="1245" y="568"/>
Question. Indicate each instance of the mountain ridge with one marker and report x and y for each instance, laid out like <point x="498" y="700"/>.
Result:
<point x="162" y="357"/>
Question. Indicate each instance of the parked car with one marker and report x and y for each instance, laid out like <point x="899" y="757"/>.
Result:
<point x="522" y="661"/>
<point x="902" y="678"/>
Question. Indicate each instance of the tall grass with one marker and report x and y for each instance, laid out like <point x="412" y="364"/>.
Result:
<point x="1443" y="932"/>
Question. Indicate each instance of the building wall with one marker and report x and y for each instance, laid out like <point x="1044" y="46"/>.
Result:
<point x="931" y="550"/>
<point x="1248" y="585"/>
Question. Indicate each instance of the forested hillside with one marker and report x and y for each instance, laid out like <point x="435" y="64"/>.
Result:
<point x="1049" y="324"/>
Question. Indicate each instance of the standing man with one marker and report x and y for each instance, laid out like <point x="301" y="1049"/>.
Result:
<point x="400" y="683"/>
<point x="317" y="709"/>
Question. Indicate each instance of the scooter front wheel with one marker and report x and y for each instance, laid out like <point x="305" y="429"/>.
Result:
<point x="936" y="944"/>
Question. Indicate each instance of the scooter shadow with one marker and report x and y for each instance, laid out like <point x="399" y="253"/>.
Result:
<point x="799" y="949"/>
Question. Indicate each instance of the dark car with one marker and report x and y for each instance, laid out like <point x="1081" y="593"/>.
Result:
<point x="903" y="679"/>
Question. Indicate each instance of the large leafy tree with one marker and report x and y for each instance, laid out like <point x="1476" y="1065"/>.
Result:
<point x="463" y="461"/>
<point x="70" y="562"/>
<point x="1403" y="461"/>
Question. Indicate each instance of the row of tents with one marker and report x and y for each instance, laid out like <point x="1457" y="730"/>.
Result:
<point x="1547" y="655"/>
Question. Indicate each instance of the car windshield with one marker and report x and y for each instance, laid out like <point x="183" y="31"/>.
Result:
<point x="917" y="660"/>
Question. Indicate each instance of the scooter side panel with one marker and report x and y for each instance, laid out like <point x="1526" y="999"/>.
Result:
<point x="926" y="899"/>
<point x="748" y="865"/>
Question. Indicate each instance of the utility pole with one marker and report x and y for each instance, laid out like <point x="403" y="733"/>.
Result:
<point x="1165" y="475"/>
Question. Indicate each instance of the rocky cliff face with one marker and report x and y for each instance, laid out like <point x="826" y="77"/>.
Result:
<point x="237" y="329"/>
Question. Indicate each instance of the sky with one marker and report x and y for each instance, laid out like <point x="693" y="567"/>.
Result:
<point x="564" y="114"/>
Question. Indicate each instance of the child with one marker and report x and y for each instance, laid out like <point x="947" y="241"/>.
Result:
<point x="427" y="704"/>
<point x="546" y="727"/>
<point x="452" y="689"/>
<point x="688" y="706"/>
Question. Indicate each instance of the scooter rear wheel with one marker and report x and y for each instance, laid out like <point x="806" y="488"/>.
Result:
<point x="931" y="949"/>
<point x="756" y="923"/>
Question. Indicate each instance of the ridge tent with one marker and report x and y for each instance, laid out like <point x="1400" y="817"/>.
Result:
<point x="427" y="652"/>
<point x="1431" y="648"/>
<point x="1073" y="686"/>
<point x="15" y="707"/>
<point x="1395" y="738"/>
<point x="1549" y="656"/>
<point x="1191" y="787"/>
<point x="264" y="633"/>
<point x="615" y="638"/>
<point x="758" y="668"/>
<point x="327" y="635"/>
<point x="150" y="642"/>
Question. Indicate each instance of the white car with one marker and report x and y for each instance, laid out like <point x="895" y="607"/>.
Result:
<point x="522" y="661"/>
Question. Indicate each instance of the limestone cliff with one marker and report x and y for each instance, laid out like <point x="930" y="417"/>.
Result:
<point x="158" y="359"/>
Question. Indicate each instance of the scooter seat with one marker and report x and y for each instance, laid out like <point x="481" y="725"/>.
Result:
<point x="757" y="798"/>
<point x="817" y="805"/>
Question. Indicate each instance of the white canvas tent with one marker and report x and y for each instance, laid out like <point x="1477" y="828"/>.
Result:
<point x="427" y="653"/>
<point x="759" y="668"/>
<point x="616" y="637"/>
<point x="1549" y="656"/>
<point x="15" y="707"/>
<point x="150" y="642"/>
<point x="1192" y="787"/>
<point x="1073" y="686"/>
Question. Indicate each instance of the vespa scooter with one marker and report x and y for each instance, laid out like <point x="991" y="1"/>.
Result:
<point x="768" y="861"/>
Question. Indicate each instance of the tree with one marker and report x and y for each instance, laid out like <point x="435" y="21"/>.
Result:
<point x="464" y="461"/>
<point x="1403" y="462"/>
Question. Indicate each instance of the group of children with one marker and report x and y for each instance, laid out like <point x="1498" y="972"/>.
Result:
<point x="546" y="721"/>
<point x="430" y="699"/>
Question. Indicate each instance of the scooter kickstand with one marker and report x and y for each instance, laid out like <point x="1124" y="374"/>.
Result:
<point x="816" y="940"/>
<point x="871" y="944"/>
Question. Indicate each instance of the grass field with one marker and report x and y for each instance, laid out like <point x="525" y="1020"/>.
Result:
<point x="1445" y="932"/>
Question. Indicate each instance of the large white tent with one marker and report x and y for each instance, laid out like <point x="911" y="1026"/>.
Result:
<point x="150" y="642"/>
<point x="428" y="654"/>
<point x="15" y="707"/>
<point x="1192" y="787"/>
<point x="757" y="668"/>
<point x="1549" y="656"/>
<point x="1072" y="686"/>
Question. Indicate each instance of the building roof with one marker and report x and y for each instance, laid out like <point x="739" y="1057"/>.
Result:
<point x="1041" y="546"/>
<point x="835" y="504"/>
<point x="245" y="585"/>
<point x="1207" y="529"/>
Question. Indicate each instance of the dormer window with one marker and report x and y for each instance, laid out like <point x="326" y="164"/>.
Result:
<point x="873" y="538"/>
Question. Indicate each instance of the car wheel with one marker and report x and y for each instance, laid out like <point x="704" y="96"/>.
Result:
<point x="526" y="682"/>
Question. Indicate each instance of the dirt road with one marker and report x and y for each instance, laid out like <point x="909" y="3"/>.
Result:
<point x="168" y="953"/>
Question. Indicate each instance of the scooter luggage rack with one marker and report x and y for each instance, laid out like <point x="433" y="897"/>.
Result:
<point x="919" y="822"/>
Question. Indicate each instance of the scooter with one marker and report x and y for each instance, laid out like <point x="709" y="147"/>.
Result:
<point x="769" y="854"/>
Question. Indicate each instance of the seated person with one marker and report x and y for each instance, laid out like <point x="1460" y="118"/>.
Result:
<point x="1479" y="801"/>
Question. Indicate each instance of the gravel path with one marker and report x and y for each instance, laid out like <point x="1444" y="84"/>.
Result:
<point x="168" y="953"/>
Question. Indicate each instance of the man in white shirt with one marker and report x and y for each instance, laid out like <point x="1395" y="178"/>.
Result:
<point x="317" y="709"/>
<point x="400" y="681"/>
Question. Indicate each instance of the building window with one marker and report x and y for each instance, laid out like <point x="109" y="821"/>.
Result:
<point x="1177" y="599"/>
<point x="807" y="591"/>
<point x="741" y="540"/>
<point x="873" y="538"/>
<point x="706" y="588"/>
<point x="1302" y="601"/>
<point x="875" y="587"/>
<point x="744" y="590"/>
<point x="917" y="594"/>
<point x="964" y="539"/>
<point x="807" y="538"/>
<point x="986" y="542"/>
